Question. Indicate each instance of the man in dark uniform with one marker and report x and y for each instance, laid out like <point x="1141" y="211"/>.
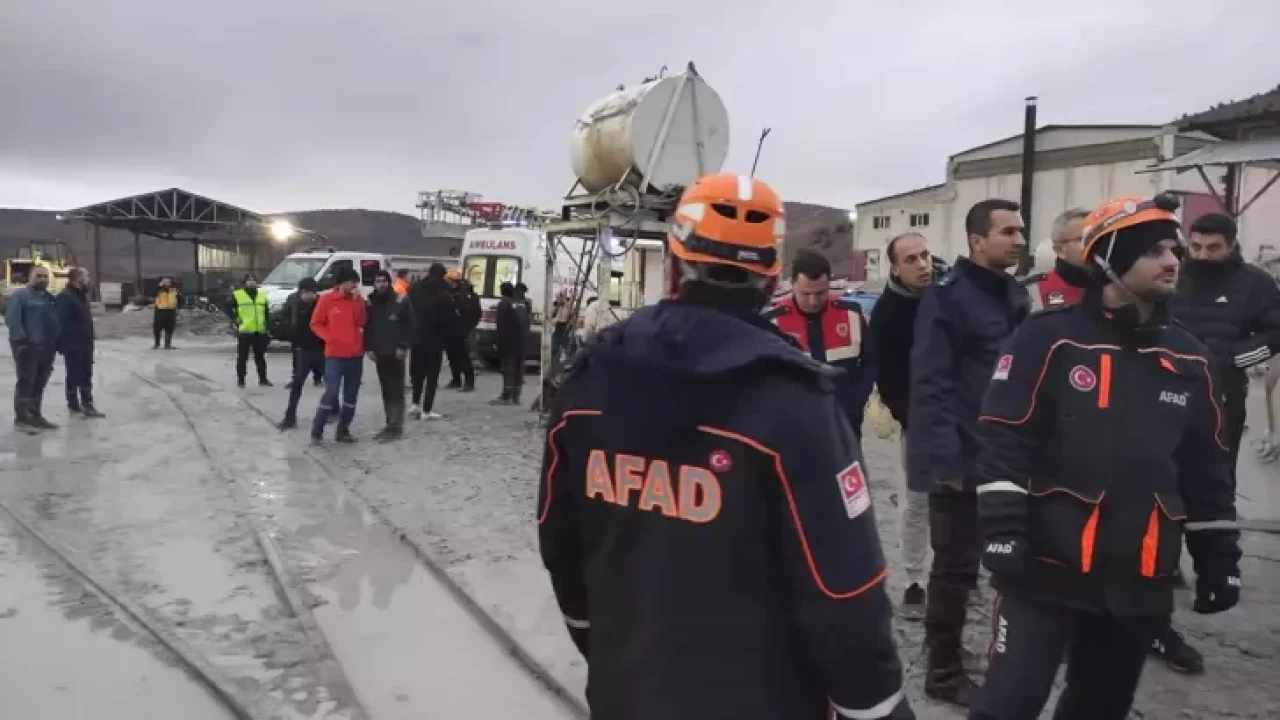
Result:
<point x="388" y="335"/>
<point x="704" y="511"/>
<point x="466" y="304"/>
<point x="832" y="330"/>
<point x="1102" y="443"/>
<point x="1065" y="283"/>
<point x="960" y="327"/>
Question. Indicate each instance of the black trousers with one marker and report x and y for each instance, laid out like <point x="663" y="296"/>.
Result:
<point x="425" y="362"/>
<point x="317" y="370"/>
<point x="1233" y="411"/>
<point x="391" y="378"/>
<point x="1105" y="656"/>
<point x="164" y="322"/>
<point x="79" y="384"/>
<point x="34" y="365"/>
<point x="956" y="540"/>
<point x="257" y="342"/>
<point x="458" y="350"/>
<point x="512" y="365"/>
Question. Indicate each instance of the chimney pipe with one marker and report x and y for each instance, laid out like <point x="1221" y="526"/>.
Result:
<point x="1028" y="178"/>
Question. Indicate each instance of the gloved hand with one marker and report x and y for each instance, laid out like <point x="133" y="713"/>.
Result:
<point x="1216" y="593"/>
<point x="1005" y="554"/>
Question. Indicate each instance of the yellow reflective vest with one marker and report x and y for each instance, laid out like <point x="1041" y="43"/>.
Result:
<point x="251" y="312"/>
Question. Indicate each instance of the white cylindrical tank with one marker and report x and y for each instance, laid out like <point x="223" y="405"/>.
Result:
<point x="619" y="135"/>
<point x="1044" y="257"/>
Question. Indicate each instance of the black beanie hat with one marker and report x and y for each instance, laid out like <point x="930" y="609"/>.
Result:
<point x="384" y="275"/>
<point x="1124" y="247"/>
<point x="346" y="274"/>
<point x="308" y="284"/>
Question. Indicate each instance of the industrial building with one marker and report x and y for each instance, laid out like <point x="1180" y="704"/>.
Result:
<point x="1075" y="166"/>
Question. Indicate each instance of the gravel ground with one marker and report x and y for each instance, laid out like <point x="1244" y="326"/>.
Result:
<point x="464" y="487"/>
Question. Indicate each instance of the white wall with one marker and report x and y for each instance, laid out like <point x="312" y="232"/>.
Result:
<point x="899" y="211"/>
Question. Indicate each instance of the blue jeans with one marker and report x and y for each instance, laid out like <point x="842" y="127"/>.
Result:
<point x="345" y="373"/>
<point x="305" y="362"/>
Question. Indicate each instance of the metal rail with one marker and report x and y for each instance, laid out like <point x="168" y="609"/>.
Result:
<point x="298" y="608"/>
<point x="197" y="667"/>
<point x="496" y="632"/>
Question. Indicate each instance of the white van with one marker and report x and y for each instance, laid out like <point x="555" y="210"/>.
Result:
<point x="492" y="256"/>
<point x="323" y="266"/>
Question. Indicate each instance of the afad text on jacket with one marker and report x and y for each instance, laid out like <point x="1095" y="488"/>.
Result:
<point x="705" y="518"/>
<point x="1102" y="443"/>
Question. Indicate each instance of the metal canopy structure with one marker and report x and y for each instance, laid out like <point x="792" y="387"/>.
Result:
<point x="180" y="216"/>
<point x="1260" y="152"/>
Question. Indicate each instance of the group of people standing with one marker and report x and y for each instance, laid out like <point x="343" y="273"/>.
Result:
<point x="333" y="331"/>
<point x="41" y="326"/>
<point x="1071" y="451"/>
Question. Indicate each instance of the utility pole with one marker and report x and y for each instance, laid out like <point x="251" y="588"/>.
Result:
<point x="1028" y="181"/>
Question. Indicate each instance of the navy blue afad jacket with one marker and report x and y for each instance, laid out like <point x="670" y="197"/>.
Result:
<point x="840" y="337"/>
<point x="706" y="522"/>
<point x="959" y="329"/>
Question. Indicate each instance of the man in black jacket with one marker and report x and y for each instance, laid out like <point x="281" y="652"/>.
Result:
<point x="510" y="333"/>
<point x="1101" y="445"/>
<point x="911" y="270"/>
<point x="466" y="304"/>
<point x="388" y="334"/>
<point x="308" y="348"/>
<point x="704" y="512"/>
<point x="75" y="342"/>
<point x="434" y="322"/>
<point x="1233" y="307"/>
<point x="961" y="325"/>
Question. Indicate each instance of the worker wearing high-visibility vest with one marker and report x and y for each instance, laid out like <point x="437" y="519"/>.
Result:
<point x="248" y="309"/>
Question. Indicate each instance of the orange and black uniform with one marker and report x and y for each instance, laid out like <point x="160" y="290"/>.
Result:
<point x="705" y="519"/>
<point x="1102" y="443"/>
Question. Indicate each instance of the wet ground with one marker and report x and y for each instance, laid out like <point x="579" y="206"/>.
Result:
<point x="144" y="498"/>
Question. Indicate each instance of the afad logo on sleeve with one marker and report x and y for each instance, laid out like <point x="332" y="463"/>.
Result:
<point x="853" y="488"/>
<point x="1003" y="365"/>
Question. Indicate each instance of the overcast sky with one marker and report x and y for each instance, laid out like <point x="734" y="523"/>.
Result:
<point x="299" y="104"/>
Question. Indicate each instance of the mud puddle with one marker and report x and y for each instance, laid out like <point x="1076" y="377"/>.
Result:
<point x="79" y="659"/>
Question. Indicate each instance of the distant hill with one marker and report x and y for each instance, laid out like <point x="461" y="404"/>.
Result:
<point x="823" y="228"/>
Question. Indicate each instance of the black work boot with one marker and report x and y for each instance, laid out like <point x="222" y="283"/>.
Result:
<point x="454" y="384"/>
<point x="86" y="404"/>
<point x="39" y="422"/>
<point x="240" y="383"/>
<point x="469" y="386"/>
<point x="22" y="419"/>
<point x="344" y="436"/>
<point x="1172" y="648"/>
<point x="913" y="603"/>
<point x="945" y="678"/>
<point x="288" y="423"/>
<point x="92" y="412"/>
<point x="263" y="382"/>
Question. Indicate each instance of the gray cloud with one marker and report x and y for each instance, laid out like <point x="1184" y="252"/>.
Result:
<point x="282" y="104"/>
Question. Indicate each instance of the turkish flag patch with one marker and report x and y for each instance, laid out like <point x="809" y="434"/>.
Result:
<point x="853" y="489"/>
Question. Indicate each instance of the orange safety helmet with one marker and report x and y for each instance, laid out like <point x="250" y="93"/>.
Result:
<point x="453" y="274"/>
<point x="1123" y="212"/>
<point x="732" y="220"/>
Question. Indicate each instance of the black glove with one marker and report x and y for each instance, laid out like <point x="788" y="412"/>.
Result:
<point x="1216" y="593"/>
<point x="1005" y="554"/>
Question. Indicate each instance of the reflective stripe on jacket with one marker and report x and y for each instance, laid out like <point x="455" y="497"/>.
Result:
<point x="251" y="312"/>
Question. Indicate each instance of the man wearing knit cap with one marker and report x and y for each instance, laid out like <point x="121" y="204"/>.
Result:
<point x="1102" y="446"/>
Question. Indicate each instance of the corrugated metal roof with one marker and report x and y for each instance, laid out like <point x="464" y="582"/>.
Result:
<point x="1258" y="150"/>
<point x="1261" y="104"/>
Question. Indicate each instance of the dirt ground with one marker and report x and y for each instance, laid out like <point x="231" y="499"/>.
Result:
<point x="133" y="494"/>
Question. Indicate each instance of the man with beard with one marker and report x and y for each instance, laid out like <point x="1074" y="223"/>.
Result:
<point x="1234" y="308"/>
<point x="33" y="336"/>
<point x="75" y="342"/>
<point x="1065" y="283"/>
<point x="911" y="270"/>
<point x="1101" y="445"/>
<point x="962" y="323"/>
<point x="466" y="304"/>
<point x="248" y="310"/>
<point x="434" y="322"/>
<point x="387" y="337"/>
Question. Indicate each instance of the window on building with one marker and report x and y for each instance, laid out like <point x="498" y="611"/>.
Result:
<point x="919" y="220"/>
<point x="880" y="222"/>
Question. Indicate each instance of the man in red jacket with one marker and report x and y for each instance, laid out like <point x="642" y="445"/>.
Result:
<point x="1064" y="285"/>
<point x="339" y="320"/>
